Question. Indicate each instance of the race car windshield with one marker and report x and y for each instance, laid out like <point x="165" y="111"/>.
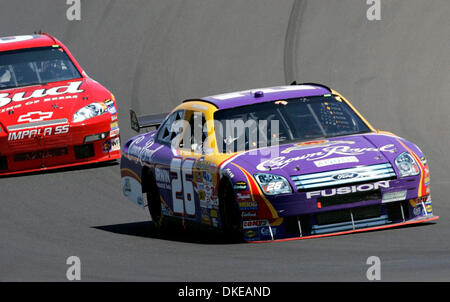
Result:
<point x="285" y="121"/>
<point x="35" y="66"/>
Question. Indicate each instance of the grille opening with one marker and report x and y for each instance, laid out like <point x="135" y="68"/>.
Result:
<point x="358" y="175"/>
<point x="42" y="154"/>
<point x="292" y="225"/>
<point x="345" y="215"/>
<point x="84" y="151"/>
<point x="394" y="210"/>
<point x="349" y="198"/>
<point x="305" y="223"/>
<point x="3" y="163"/>
<point x="362" y="182"/>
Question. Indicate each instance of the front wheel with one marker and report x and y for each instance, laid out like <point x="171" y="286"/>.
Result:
<point x="154" y="204"/>
<point x="229" y="213"/>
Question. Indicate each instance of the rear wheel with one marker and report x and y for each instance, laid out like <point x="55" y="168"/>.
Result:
<point x="229" y="213"/>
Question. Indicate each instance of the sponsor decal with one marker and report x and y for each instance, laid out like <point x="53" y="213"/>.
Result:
<point x="71" y="88"/>
<point x="198" y="177"/>
<point x="109" y="103"/>
<point x="240" y="185"/>
<point x="114" y="125"/>
<point x="251" y="234"/>
<point x="237" y="94"/>
<point x="394" y="196"/>
<point x="126" y="187"/>
<point x="248" y="205"/>
<point x="254" y="223"/>
<point x="114" y="132"/>
<point x="268" y="231"/>
<point x="336" y="161"/>
<point x="143" y="153"/>
<point x="205" y="216"/>
<point x="201" y="195"/>
<point x="246" y="214"/>
<point x="343" y="176"/>
<point x="162" y="177"/>
<point x="112" y="110"/>
<point x="414" y="202"/>
<point x="106" y="146"/>
<point x="348" y="190"/>
<point x="115" y="144"/>
<point x="429" y="208"/>
<point x="35" y="116"/>
<point x="281" y="161"/>
<point x="131" y="188"/>
<point x="228" y="172"/>
<point x="418" y="211"/>
<point x="42" y="132"/>
<point x="12" y="39"/>
<point x="315" y="144"/>
<point x="243" y="196"/>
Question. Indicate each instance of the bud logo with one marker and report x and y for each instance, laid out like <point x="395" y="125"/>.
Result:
<point x="36" y="116"/>
<point x="348" y="190"/>
<point x="72" y="87"/>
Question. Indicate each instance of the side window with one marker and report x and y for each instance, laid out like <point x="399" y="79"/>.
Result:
<point x="167" y="132"/>
<point x="196" y="134"/>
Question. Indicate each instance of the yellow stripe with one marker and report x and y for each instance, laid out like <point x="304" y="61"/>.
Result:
<point x="132" y="172"/>
<point x="355" y="110"/>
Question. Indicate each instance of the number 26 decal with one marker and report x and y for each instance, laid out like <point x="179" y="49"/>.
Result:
<point x="182" y="187"/>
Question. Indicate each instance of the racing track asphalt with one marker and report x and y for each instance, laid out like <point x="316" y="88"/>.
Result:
<point x="152" y="54"/>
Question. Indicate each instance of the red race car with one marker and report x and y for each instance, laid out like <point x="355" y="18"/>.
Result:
<point x="52" y="115"/>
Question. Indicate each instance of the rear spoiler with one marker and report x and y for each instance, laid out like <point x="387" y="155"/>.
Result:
<point x="146" y="121"/>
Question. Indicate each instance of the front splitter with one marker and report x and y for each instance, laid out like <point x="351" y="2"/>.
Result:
<point x="428" y="218"/>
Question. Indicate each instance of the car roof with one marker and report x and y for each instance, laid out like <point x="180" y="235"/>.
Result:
<point x="26" y="41"/>
<point x="261" y="95"/>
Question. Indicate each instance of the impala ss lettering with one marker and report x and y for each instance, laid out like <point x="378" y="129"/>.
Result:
<point x="73" y="87"/>
<point x="348" y="190"/>
<point x="281" y="161"/>
<point x="33" y="133"/>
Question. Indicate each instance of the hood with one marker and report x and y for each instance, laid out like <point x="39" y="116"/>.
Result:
<point x="47" y="102"/>
<point x="322" y="155"/>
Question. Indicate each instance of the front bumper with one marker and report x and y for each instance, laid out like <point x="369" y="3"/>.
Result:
<point x="67" y="146"/>
<point x="298" y="217"/>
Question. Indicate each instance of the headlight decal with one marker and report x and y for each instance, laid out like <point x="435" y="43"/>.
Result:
<point x="406" y="165"/>
<point x="265" y="208"/>
<point x="89" y="111"/>
<point x="273" y="184"/>
<point x="423" y="190"/>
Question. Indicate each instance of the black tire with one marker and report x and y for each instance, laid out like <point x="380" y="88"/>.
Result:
<point x="154" y="204"/>
<point x="230" y="214"/>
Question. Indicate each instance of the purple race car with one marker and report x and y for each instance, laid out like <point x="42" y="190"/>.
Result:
<point x="279" y="163"/>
